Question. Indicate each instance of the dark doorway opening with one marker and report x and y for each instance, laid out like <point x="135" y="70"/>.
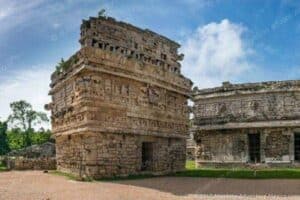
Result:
<point x="254" y="147"/>
<point x="147" y="156"/>
<point x="297" y="146"/>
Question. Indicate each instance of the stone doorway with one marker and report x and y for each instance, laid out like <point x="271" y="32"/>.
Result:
<point x="297" y="146"/>
<point x="147" y="156"/>
<point x="254" y="148"/>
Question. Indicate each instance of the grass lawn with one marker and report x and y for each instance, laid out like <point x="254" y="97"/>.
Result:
<point x="242" y="173"/>
<point x="190" y="164"/>
<point x="191" y="171"/>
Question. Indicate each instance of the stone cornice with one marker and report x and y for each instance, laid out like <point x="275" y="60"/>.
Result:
<point x="240" y="125"/>
<point x="228" y="89"/>
<point x="117" y="131"/>
<point x="136" y="77"/>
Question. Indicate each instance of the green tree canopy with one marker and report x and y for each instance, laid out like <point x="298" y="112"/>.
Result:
<point x="24" y="117"/>
<point x="4" y="147"/>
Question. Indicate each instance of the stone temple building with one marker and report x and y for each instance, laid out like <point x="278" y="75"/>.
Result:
<point x="237" y="124"/>
<point x="119" y="105"/>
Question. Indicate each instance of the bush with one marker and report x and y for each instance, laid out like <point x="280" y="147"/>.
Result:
<point x="4" y="147"/>
<point x="17" y="138"/>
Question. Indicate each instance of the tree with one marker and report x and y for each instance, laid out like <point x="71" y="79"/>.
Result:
<point x="4" y="147"/>
<point x="24" y="117"/>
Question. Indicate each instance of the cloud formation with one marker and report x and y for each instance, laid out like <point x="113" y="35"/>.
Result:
<point x="215" y="53"/>
<point x="31" y="85"/>
<point x="17" y="11"/>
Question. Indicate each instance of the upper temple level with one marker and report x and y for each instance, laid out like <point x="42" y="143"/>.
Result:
<point x="273" y="104"/>
<point x="125" y="39"/>
<point x="125" y="50"/>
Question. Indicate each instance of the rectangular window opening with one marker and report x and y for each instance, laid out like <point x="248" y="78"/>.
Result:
<point x="254" y="148"/>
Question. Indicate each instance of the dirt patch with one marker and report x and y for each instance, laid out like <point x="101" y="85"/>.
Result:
<point x="35" y="185"/>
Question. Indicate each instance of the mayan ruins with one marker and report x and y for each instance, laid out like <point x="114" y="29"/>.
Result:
<point x="237" y="124"/>
<point x="119" y="105"/>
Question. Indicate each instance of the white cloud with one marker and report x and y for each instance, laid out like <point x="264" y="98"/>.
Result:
<point x="4" y="13"/>
<point x="9" y="8"/>
<point x="31" y="85"/>
<point x="215" y="53"/>
<point x="14" y="12"/>
<point x="56" y="25"/>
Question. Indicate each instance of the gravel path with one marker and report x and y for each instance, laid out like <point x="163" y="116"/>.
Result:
<point x="35" y="185"/>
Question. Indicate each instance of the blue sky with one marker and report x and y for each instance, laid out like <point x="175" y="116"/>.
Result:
<point x="223" y="40"/>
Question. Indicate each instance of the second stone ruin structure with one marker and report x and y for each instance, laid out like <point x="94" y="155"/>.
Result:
<point x="237" y="124"/>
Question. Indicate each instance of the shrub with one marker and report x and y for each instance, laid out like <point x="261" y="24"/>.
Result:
<point x="17" y="138"/>
<point x="4" y="147"/>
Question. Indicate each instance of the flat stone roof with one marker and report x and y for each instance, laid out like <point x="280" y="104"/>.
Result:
<point x="254" y="87"/>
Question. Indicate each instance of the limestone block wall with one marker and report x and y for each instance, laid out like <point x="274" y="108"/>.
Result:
<point x="256" y="102"/>
<point x="279" y="145"/>
<point x="119" y="104"/>
<point x="101" y="155"/>
<point x="23" y="163"/>
<point x="221" y="146"/>
<point x="230" y="147"/>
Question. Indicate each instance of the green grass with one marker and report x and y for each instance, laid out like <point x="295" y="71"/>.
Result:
<point x="191" y="171"/>
<point x="2" y="167"/>
<point x="239" y="173"/>
<point x="67" y="175"/>
<point x="190" y="164"/>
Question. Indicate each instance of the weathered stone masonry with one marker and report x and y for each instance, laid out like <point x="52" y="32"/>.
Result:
<point x="248" y="123"/>
<point x="119" y="107"/>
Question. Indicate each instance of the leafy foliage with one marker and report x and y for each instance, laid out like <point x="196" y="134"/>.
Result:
<point x="65" y="65"/>
<point x="24" y="117"/>
<point x="4" y="147"/>
<point x="2" y="167"/>
<point x="17" y="139"/>
<point x="61" y="66"/>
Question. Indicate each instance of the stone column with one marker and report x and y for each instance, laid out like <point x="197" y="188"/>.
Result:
<point x="263" y="138"/>
<point x="292" y="144"/>
<point x="245" y="133"/>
